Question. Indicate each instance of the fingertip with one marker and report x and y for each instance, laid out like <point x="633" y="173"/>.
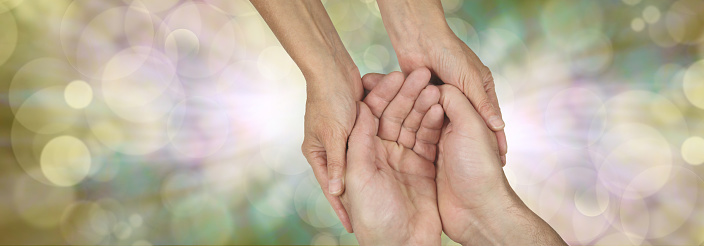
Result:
<point x="336" y="186"/>
<point x="371" y="80"/>
<point x="496" y="123"/>
<point x="503" y="160"/>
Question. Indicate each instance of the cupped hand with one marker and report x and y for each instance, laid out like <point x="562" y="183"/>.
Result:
<point x="471" y="183"/>
<point x="453" y="62"/>
<point x="330" y="115"/>
<point x="391" y="193"/>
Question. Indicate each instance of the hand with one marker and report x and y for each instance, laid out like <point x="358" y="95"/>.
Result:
<point x="476" y="203"/>
<point x="330" y="116"/>
<point x="391" y="194"/>
<point x="421" y="38"/>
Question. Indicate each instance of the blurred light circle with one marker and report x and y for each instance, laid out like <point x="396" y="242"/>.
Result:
<point x="198" y="127"/>
<point x="500" y="46"/>
<point x="592" y="201"/>
<point x="693" y="150"/>
<point x="450" y="6"/>
<point x="226" y="180"/>
<point x="631" y="2"/>
<point x="78" y="94"/>
<point x="634" y="150"/>
<point x="36" y="75"/>
<point x="685" y="22"/>
<point x="65" y="160"/>
<point x="92" y="53"/>
<point x="679" y="201"/>
<point x="135" y="220"/>
<point x="575" y="128"/>
<point x="201" y="220"/>
<point x="152" y="6"/>
<point x="634" y="219"/>
<point x="505" y="95"/>
<point x="8" y="40"/>
<point x="179" y="187"/>
<point x="464" y="31"/>
<point x="46" y="112"/>
<point x="660" y="34"/>
<point x="324" y="238"/>
<point x="181" y="44"/>
<point x="121" y="230"/>
<point x="616" y="238"/>
<point x="693" y="84"/>
<point x="587" y="228"/>
<point x="348" y="16"/>
<point x="277" y="201"/>
<point x="220" y="39"/>
<point x="120" y="135"/>
<point x="76" y="224"/>
<point x="242" y="79"/>
<point x="376" y="57"/>
<point x="651" y="14"/>
<point x="144" y="94"/>
<point x="637" y="24"/>
<point x="41" y="205"/>
<point x="560" y="19"/>
<point x="590" y="52"/>
<point x="236" y="8"/>
<point x="666" y="112"/>
<point x="274" y="63"/>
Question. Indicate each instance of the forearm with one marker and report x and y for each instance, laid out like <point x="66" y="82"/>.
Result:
<point x="413" y="22"/>
<point x="510" y="223"/>
<point x="304" y="29"/>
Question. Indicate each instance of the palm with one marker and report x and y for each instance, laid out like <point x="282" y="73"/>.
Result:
<point x="390" y="183"/>
<point x="464" y="168"/>
<point x="400" y="191"/>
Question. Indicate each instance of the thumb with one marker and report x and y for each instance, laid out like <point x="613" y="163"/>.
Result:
<point x="476" y="91"/>
<point x="361" y="143"/>
<point x="336" y="150"/>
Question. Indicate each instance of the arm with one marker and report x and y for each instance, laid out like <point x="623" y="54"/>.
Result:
<point x="333" y="86"/>
<point x="421" y="38"/>
<point x="476" y="203"/>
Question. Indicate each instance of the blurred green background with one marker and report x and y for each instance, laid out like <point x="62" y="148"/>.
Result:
<point x="143" y="122"/>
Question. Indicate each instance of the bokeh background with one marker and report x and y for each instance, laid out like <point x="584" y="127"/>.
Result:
<point x="144" y="122"/>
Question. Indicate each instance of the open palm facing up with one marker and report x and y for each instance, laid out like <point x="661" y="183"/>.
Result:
<point x="391" y="194"/>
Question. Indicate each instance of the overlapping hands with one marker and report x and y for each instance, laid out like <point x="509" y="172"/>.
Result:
<point x="413" y="173"/>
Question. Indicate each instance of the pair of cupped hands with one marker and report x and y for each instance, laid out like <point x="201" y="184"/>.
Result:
<point x="412" y="173"/>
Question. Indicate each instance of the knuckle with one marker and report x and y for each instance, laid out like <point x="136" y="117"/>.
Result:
<point x="485" y="107"/>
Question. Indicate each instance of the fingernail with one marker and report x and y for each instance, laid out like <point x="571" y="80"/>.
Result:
<point x="503" y="159"/>
<point x="335" y="186"/>
<point x="496" y="123"/>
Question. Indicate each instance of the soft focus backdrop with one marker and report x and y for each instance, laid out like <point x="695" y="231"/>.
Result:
<point x="179" y="122"/>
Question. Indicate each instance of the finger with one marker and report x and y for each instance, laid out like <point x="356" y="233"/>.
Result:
<point x="428" y="97"/>
<point x="500" y="135"/>
<point x="459" y="111"/>
<point x="393" y="116"/>
<point x="383" y="92"/>
<point x="320" y="171"/>
<point x="361" y="142"/>
<point x="501" y="140"/>
<point x="336" y="151"/>
<point x="429" y="133"/>
<point x="371" y="80"/>
<point x="475" y="88"/>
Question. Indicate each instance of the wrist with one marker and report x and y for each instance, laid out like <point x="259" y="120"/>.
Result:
<point x="413" y="26"/>
<point x="510" y="222"/>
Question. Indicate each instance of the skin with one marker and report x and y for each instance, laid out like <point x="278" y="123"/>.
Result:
<point x="476" y="203"/>
<point x="391" y="193"/>
<point x="333" y="87"/>
<point x="421" y="38"/>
